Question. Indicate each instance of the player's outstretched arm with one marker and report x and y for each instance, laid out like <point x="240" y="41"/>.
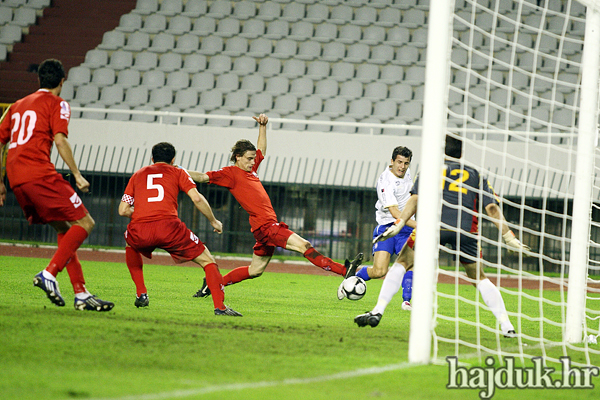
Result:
<point x="261" y="143"/>
<point x="513" y="244"/>
<point x="199" y="177"/>
<point x="202" y="205"/>
<point x="66" y="153"/>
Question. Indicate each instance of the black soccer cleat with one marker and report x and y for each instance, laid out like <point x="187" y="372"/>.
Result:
<point x="50" y="287"/>
<point x="93" y="303"/>
<point x="142" y="300"/>
<point x="368" y="318"/>
<point x="204" y="290"/>
<point x="352" y="266"/>
<point x="227" y="311"/>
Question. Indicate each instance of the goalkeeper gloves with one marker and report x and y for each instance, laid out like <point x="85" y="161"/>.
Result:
<point x="392" y="231"/>
<point x="514" y="244"/>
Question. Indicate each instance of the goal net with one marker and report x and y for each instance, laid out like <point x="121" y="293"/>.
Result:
<point x="521" y="90"/>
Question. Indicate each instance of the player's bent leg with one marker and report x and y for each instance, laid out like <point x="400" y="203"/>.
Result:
<point x="258" y="265"/>
<point x="71" y="241"/>
<point x="381" y="261"/>
<point x="297" y="243"/>
<point x="214" y="279"/>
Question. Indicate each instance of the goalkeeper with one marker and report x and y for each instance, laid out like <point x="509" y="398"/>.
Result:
<point x="463" y="191"/>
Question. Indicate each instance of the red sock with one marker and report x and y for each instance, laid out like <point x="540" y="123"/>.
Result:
<point x="236" y="275"/>
<point x="214" y="280"/>
<point x="74" y="270"/>
<point x="326" y="263"/>
<point x="69" y="243"/>
<point x="135" y="265"/>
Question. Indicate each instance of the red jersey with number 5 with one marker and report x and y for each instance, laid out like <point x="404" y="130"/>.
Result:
<point x="153" y="191"/>
<point x="30" y="125"/>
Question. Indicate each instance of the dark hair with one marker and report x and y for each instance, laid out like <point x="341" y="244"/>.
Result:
<point x="402" y="151"/>
<point x="240" y="148"/>
<point x="50" y="73"/>
<point x="453" y="147"/>
<point x="163" y="152"/>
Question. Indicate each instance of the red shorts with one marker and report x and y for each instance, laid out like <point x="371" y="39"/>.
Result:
<point x="270" y="236"/>
<point x="50" y="199"/>
<point x="170" y="235"/>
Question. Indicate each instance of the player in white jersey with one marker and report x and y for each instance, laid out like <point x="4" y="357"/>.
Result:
<point x="393" y="191"/>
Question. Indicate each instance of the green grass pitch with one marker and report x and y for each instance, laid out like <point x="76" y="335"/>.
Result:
<point x="295" y="341"/>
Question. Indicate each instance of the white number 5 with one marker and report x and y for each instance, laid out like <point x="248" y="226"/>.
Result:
<point x="152" y="185"/>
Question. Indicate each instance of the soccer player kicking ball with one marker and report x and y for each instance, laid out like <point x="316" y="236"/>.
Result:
<point x="474" y="190"/>
<point x="155" y="224"/>
<point x="242" y="181"/>
<point x="32" y="124"/>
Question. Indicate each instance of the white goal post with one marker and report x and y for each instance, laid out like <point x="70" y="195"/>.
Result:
<point x="527" y="98"/>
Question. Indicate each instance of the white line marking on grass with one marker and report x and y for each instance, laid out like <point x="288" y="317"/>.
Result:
<point x="263" y="384"/>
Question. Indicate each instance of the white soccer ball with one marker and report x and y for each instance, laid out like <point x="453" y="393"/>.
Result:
<point x="354" y="288"/>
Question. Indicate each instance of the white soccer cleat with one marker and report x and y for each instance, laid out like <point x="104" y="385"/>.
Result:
<point x="406" y="306"/>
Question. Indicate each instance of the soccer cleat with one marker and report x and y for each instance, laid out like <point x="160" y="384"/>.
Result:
<point x="227" y="311"/>
<point x="142" y="300"/>
<point x="510" y="334"/>
<point x="352" y="266"/>
<point x="93" y="303"/>
<point x="368" y="319"/>
<point x="204" y="290"/>
<point x="406" y="306"/>
<point x="50" y="287"/>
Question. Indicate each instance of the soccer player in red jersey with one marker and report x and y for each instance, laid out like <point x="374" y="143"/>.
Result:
<point x="31" y="125"/>
<point x="242" y="181"/>
<point x="150" y="200"/>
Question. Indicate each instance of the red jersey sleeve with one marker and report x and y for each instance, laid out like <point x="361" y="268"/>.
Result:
<point x="59" y="121"/>
<point x="222" y="177"/>
<point x="185" y="181"/>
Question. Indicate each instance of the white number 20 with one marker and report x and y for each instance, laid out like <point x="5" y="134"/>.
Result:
<point x="152" y="185"/>
<point x="27" y="122"/>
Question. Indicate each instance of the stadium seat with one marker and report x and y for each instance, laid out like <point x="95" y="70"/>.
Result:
<point x="204" y="26"/>
<point x="341" y="14"/>
<point x="293" y="11"/>
<point x="269" y="11"/>
<point x="344" y="128"/>
<point x="137" y="41"/>
<point x="93" y="114"/>
<point x="227" y="82"/>
<point x="268" y="67"/>
<point x="193" y="120"/>
<point x="261" y="103"/>
<point x="413" y="18"/>
<point x="360" y="108"/>
<point x="211" y="99"/>
<point x="382" y="54"/>
<point x="316" y="13"/>
<point x="189" y="43"/>
<point x="376" y="91"/>
<point x="79" y="75"/>
<point x="87" y="93"/>
<point x="410" y="111"/>
<point x="153" y="79"/>
<point x="111" y="95"/>
<point x="143" y="117"/>
<point x="68" y="91"/>
<point x="397" y="36"/>
<point x="326" y="88"/>
<point x="357" y="53"/>
<point x="415" y="75"/>
<point x="385" y="109"/>
<point x="244" y="10"/>
<point x="247" y="122"/>
<point x="10" y="34"/>
<point x="335" y="107"/>
<point x="146" y="7"/>
<point x="419" y="38"/>
<point x="6" y="14"/>
<point x="103" y="76"/>
<point x="293" y="68"/>
<point x="294" y="126"/>
<point x="171" y="7"/>
<point x="252" y="84"/>
<point x="301" y="30"/>
<point x="130" y="22"/>
<point x="364" y="16"/>
<point x="121" y="59"/>
<point x="179" y="25"/>
<point x="169" y="119"/>
<point x="244" y="65"/>
<point x="24" y="16"/>
<point x="195" y="8"/>
<point x="113" y="116"/>
<point x="168" y="62"/>
<point x="318" y="70"/>
<point x="285" y="104"/>
<point x="95" y="58"/>
<point x="400" y="92"/>
<point x="373" y="35"/>
<point x="128" y="78"/>
<point x="284" y="49"/>
<point x="161" y="97"/>
<point x="218" y="121"/>
<point x="236" y="101"/>
<point x="333" y="51"/>
<point x="367" y="73"/>
<point x="351" y="90"/>
<point x="253" y="29"/>
<point x="301" y="87"/>
<point x="389" y="130"/>
<point x="38" y="4"/>
<point x="236" y="46"/>
<point x="136" y="95"/>
<point x="145" y="61"/>
<point x="381" y="3"/>
<point x="219" y="9"/>
<point x="391" y="74"/>
<point x="389" y="17"/>
<point x="325" y="32"/>
<point x="186" y="98"/>
<point x="320" y="127"/>
<point x="350" y="34"/>
<point x="369" y="130"/>
<point x="219" y="64"/>
<point x="194" y="63"/>
<point x="309" y="50"/>
<point x="276" y="30"/>
<point x="203" y="81"/>
<point x="228" y="27"/>
<point x="408" y="55"/>
<point x="260" y="48"/>
<point x="154" y="23"/>
<point x="112" y="40"/>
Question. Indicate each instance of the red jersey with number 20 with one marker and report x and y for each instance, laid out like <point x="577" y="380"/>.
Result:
<point x="153" y="191"/>
<point x="248" y="191"/>
<point x="30" y="126"/>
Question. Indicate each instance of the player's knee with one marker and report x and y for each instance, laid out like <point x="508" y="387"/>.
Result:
<point x="377" y="271"/>
<point x="307" y="245"/>
<point x="256" y="275"/>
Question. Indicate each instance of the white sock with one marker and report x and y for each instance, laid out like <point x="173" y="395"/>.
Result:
<point x="83" y="295"/>
<point x="493" y="299"/>
<point x="48" y="275"/>
<point x="391" y="285"/>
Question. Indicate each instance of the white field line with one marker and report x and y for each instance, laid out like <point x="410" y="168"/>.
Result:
<point x="176" y="394"/>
